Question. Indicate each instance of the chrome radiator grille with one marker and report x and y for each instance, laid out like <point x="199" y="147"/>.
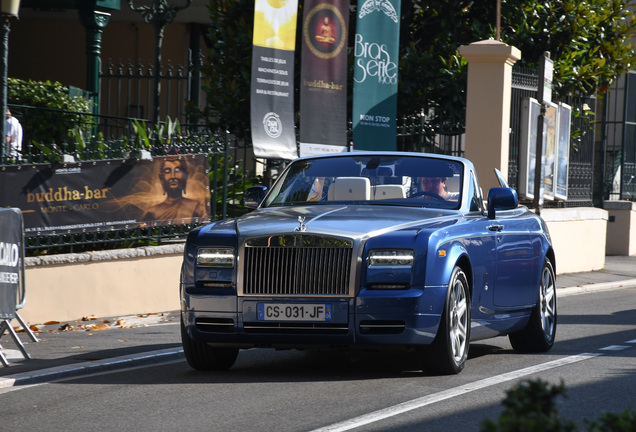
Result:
<point x="296" y="265"/>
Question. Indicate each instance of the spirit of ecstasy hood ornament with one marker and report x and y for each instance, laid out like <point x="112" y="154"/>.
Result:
<point x="302" y="226"/>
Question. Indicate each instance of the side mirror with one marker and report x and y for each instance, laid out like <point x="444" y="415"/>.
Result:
<point x="501" y="198"/>
<point x="253" y="196"/>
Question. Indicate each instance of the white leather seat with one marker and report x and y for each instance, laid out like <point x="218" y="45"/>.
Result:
<point x="453" y="184"/>
<point x="350" y="188"/>
<point x="388" y="191"/>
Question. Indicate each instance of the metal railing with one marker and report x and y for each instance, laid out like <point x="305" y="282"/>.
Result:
<point x="581" y="164"/>
<point x="127" y="90"/>
<point x="82" y="146"/>
<point x="90" y="138"/>
<point x="419" y="134"/>
<point x="619" y="143"/>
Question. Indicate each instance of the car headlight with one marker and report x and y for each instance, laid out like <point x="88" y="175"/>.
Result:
<point x="215" y="257"/>
<point x="391" y="258"/>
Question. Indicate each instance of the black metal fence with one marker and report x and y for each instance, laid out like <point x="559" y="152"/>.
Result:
<point x="128" y="89"/>
<point x="113" y="136"/>
<point x="581" y="164"/>
<point x="619" y="140"/>
<point x="81" y="146"/>
<point x="419" y="134"/>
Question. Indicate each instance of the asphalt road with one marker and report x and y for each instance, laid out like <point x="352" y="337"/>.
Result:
<point x="266" y="390"/>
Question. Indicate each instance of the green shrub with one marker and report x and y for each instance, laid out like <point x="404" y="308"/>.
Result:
<point x="624" y="422"/>
<point x="58" y="112"/>
<point x="531" y="407"/>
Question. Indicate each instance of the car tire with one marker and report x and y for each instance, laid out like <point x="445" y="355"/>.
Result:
<point x="540" y="332"/>
<point x="201" y="356"/>
<point x="450" y="347"/>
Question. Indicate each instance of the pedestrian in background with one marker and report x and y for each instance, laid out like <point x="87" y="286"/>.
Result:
<point x="13" y="137"/>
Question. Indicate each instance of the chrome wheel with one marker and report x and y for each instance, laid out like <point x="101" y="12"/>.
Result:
<point x="458" y="332"/>
<point x="450" y="347"/>
<point x="547" y="302"/>
<point x="540" y="332"/>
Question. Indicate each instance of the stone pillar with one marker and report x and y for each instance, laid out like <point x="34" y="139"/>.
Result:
<point x="488" y="107"/>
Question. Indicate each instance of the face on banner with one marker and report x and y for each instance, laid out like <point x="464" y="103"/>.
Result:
<point x="175" y="205"/>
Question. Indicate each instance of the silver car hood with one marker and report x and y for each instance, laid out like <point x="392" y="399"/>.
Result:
<point x="343" y="221"/>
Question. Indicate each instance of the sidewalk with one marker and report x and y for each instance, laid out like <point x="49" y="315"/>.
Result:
<point x="97" y="344"/>
<point x="91" y="345"/>
<point x="618" y="271"/>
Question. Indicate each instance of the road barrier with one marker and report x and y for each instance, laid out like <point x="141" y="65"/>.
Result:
<point x="12" y="283"/>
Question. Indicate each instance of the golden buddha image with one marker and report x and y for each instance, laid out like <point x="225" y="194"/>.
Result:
<point x="326" y="33"/>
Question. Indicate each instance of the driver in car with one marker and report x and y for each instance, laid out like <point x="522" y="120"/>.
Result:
<point x="437" y="186"/>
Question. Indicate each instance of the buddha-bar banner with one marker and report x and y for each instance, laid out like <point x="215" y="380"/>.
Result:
<point x="272" y="84"/>
<point x="375" y="75"/>
<point x="323" y="82"/>
<point x="108" y="195"/>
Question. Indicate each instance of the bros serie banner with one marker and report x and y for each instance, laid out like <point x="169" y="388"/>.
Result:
<point x="323" y="86"/>
<point x="272" y="83"/>
<point x="375" y="76"/>
<point x="109" y="195"/>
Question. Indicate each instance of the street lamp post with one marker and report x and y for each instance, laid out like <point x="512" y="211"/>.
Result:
<point x="159" y="14"/>
<point x="8" y="10"/>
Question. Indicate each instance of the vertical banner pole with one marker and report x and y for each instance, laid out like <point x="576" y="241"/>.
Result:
<point x="226" y="156"/>
<point x="544" y="97"/>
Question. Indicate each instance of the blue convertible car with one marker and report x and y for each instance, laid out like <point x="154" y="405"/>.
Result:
<point x="370" y="250"/>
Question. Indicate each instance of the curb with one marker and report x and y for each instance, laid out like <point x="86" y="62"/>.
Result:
<point x="596" y="287"/>
<point x="105" y="365"/>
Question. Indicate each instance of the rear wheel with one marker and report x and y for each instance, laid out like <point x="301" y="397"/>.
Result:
<point x="450" y="347"/>
<point x="201" y="356"/>
<point x="540" y="332"/>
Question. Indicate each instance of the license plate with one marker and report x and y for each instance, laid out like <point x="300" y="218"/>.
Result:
<point x="294" y="312"/>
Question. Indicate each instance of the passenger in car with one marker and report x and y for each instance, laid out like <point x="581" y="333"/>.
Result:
<point x="437" y="185"/>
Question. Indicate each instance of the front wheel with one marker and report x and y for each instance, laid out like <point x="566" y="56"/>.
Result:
<point x="450" y="347"/>
<point x="201" y="356"/>
<point x="540" y="332"/>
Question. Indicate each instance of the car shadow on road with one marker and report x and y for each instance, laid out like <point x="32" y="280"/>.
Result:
<point x="269" y="365"/>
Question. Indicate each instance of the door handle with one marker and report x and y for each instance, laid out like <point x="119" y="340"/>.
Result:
<point x="495" y="227"/>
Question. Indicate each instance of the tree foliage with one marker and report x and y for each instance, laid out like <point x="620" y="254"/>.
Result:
<point x="227" y="73"/>
<point x="587" y="40"/>
<point x="432" y="73"/>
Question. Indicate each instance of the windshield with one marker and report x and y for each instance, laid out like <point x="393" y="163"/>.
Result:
<point x="382" y="179"/>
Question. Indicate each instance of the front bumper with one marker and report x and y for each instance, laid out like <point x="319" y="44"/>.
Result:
<point x="374" y="318"/>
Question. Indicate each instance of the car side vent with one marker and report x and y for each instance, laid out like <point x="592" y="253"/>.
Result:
<point x="382" y="327"/>
<point x="215" y="325"/>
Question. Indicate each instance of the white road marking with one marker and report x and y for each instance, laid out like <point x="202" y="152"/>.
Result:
<point x="614" y="348"/>
<point x="450" y="393"/>
<point x="89" y="367"/>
